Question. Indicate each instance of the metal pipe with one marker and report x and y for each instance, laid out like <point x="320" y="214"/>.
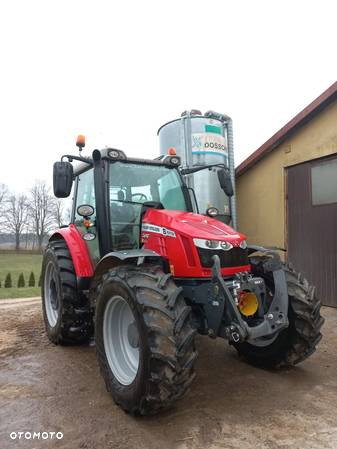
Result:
<point x="230" y="142"/>
<point x="188" y="146"/>
<point x="231" y="163"/>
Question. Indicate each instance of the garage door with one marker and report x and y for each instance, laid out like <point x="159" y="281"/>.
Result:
<point x="312" y="224"/>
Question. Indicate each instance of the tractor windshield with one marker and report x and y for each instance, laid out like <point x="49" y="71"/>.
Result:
<point x="131" y="185"/>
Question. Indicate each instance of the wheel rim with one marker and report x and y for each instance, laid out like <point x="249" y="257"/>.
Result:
<point x="51" y="298"/>
<point x="121" y="340"/>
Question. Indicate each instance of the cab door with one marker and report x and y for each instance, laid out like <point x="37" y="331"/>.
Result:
<point x="85" y="194"/>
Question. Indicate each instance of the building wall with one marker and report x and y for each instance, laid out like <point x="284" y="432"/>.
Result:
<point x="261" y="190"/>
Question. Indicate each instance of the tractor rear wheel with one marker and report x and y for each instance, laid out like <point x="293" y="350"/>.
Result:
<point x="144" y="338"/>
<point x="298" y="341"/>
<point x="66" y="313"/>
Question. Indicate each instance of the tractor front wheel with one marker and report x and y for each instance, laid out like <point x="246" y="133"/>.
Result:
<point x="144" y="338"/>
<point x="298" y="341"/>
<point x="66" y="311"/>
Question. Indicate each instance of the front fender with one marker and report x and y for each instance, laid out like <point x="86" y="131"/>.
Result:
<point x="78" y="250"/>
<point x="116" y="258"/>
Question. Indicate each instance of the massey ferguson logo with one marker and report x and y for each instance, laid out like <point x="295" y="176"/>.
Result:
<point x="147" y="227"/>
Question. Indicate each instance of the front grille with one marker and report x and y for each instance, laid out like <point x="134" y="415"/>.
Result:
<point x="235" y="257"/>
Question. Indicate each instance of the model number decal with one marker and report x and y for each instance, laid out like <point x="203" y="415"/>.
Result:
<point x="146" y="227"/>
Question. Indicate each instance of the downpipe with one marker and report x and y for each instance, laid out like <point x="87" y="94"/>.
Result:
<point x="230" y="142"/>
<point x="228" y="124"/>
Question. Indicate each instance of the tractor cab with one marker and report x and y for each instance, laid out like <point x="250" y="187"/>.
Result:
<point x="139" y="203"/>
<point x="133" y="188"/>
<point x="119" y="190"/>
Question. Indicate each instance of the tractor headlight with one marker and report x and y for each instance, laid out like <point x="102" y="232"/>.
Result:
<point x="113" y="153"/>
<point x="171" y="160"/>
<point x="226" y="246"/>
<point x="243" y="244"/>
<point x="212" y="211"/>
<point x="207" y="244"/>
<point x="175" y="160"/>
<point x="212" y="244"/>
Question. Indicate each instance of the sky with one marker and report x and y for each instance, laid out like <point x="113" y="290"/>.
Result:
<point x="116" y="71"/>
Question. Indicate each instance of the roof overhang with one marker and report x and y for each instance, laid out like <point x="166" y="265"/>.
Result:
<point x="290" y="128"/>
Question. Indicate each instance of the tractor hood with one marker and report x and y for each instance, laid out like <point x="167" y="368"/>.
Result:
<point x="193" y="225"/>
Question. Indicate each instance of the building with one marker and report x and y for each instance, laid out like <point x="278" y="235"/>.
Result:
<point x="287" y="193"/>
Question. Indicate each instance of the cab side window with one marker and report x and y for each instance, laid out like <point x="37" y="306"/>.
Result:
<point x="171" y="198"/>
<point x="86" y="195"/>
<point x="85" y="192"/>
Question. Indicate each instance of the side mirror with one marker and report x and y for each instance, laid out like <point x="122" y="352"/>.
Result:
<point x="62" y="179"/>
<point x="225" y="181"/>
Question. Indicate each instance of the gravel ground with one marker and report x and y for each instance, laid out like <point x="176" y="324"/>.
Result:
<point x="231" y="405"/>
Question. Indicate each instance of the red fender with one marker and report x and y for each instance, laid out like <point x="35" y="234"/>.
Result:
<point x="78" y="250"/>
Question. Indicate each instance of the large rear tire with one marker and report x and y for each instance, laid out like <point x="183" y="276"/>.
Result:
<point x="297" y="342"/>
<point x="144" y="338"/>
<point x="66" y="311"/>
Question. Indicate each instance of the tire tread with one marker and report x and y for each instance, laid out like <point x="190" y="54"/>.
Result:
<point x="76" y="319"/>
<point x="304" y="332"/>
<point x="171" y="345"/>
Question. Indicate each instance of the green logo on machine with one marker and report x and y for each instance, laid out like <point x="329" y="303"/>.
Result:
<point x="213" y="129"/>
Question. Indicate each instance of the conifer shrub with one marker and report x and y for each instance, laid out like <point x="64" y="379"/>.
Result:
<point x="8" y="281"/>
<point x="31" y="281"/>
<point x="21" y="281"/>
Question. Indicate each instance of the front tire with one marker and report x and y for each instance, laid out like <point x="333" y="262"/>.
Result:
<point x="66" y="312"/>
<point x="299" y="340"/>
<point x="144" y="338"/>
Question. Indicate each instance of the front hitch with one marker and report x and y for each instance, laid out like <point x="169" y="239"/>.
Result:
<point x="276" y="317"/>
<point x="237" y="330"/>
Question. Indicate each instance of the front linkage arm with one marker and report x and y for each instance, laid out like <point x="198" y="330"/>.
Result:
<point x="276" y="317"/>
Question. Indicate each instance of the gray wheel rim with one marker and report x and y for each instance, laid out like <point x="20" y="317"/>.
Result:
<point x="51" y="300"/>
<point x="121" y="340"/>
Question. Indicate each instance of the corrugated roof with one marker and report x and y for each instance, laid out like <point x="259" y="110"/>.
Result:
<point x="299" y="120"/>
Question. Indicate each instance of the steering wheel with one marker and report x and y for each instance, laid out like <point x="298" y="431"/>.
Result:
<point x="141" y="196"/>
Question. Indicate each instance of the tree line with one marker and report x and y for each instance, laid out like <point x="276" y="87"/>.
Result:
<point x="37" y="212"/>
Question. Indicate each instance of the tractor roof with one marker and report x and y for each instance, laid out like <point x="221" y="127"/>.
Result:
<point x="114" y="155"/>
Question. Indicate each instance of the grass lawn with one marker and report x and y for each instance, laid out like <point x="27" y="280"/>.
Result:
<point x="15" y="264"/>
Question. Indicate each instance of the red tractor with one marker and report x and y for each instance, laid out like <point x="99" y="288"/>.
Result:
<point x="142" y="274"/>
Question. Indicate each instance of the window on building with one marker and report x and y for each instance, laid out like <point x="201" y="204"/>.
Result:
<point x="324" y="182"/>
